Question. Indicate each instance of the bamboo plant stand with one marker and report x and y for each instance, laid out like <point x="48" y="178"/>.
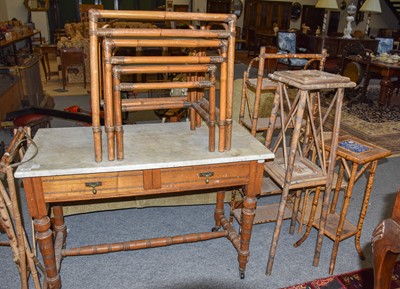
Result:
<point x="300" y="162"/>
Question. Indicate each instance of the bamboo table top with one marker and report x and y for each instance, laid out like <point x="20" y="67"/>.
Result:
<point x="66" y="151"/>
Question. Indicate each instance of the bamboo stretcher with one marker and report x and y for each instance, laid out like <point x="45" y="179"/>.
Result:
<point x="10" y="216"/>
<point x="161" y="103"/>
<point x="197" y="40"/>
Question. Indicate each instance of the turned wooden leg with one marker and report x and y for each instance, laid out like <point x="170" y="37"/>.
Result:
<point x="45" y="239"/>
<point x="252" y="190"/>
<point x="219" y="209"/>
<point x="384" y="92"/>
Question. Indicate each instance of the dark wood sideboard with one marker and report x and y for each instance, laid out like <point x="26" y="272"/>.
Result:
<point x="334" y="45"/>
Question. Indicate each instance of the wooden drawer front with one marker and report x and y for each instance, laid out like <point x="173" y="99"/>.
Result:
<point x="77" y="187"/>
<point x="204" y="177"/>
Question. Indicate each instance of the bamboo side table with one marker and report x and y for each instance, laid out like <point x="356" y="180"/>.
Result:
<point x="358" y="152"/>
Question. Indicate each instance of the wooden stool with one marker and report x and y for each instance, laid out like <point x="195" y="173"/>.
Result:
<point x="358" y="152"/>
<point x="72" y="56"/>
<point x="386" y="247"/>
<point x="45" y="50"/>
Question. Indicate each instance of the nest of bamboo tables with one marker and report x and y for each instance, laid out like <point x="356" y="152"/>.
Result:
<point x="108" y="72"/>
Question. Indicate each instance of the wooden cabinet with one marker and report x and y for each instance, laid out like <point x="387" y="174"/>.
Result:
<point x="218" y="6"/>
<point x="260" y="15"/>
<point x="334" y="45"/>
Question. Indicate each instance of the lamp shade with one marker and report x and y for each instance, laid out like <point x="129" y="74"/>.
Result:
<point x="371" y="6"/>
<point x="327" y="4"/>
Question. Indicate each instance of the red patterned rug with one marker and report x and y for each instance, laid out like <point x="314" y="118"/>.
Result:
<point x="361" y="279"/>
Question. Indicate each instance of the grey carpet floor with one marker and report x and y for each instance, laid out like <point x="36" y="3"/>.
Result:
<point x="210" y="264"/>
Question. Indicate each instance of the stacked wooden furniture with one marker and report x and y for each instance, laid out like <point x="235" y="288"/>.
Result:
<point x="106" y="70"/>
<point x="300" y="159"/>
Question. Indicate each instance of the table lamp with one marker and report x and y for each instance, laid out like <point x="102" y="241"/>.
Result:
<point x="327" y="5"/>
<point x="370" y="6"/>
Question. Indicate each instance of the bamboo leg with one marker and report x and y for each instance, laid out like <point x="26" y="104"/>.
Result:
<point x="345" y="206"/>
<point x="295" y="211"/>
<point x="364" y="207"/>
<point x="329" y="177"/>
<point x="230" y="80"/>
<point x="212" y="114"/>
<point x="18" y="227"/>
<point x="310" y="218"/>
<point x="6" y="221"/>
<point x="288" y="179"/>
<point x="243" y="100"/>
<point x="108" y="100"/>
<point x="260" y="75"/>
<point x="337" y="188"/>
<point x="192" y="112"/>
<point x="119" y="132"/>
<point x="222" y="104"/>
<point x="94" y="90"/>
<point x="273" y="116"/>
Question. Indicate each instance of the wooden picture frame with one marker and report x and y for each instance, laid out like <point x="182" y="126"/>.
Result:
<point x="37" y="5"/>
<point x="170" y="5"/>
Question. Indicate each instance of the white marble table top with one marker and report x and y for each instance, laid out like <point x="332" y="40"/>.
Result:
<point x="67" y="151"/>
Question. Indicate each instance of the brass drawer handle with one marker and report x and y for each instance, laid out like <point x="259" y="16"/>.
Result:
<point x="93" y="185"/>
<point x="207" y="175"/>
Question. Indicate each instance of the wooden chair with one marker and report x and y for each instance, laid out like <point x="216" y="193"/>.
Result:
<point x="354" y="64"/>
<point x="72" y="56"/>
<point x="386" y="247"/>
<point x="287" y="43"/>
<point x="253" y="88"/>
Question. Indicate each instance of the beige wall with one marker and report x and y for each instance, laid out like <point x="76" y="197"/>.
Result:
<point x="13" y="9"/>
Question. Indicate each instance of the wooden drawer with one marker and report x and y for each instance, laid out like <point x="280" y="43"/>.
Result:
<point x="204" y="177"/>
<point x="77" y="187"/>
<point x="121" y="184"/>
